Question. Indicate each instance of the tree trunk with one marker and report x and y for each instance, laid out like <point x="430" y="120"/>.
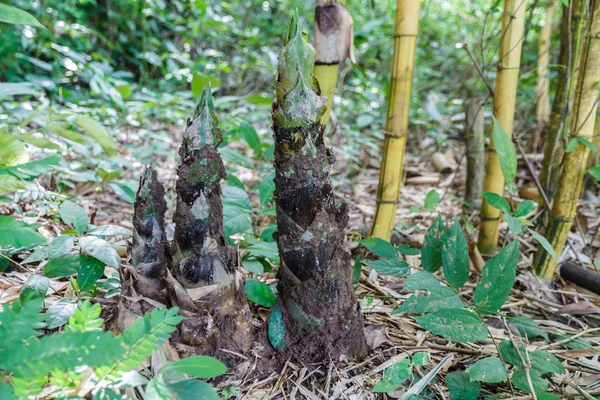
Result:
<point x="574" y="165"/>
<point x="543" y="83"/>
<point x="334" y="43"/>
<point x="396" y="125"/>
<point x="474" y="131"/>
<point x="554" y="147"/>
<point x="319" y="310"/>
<point x="507" y="78"/>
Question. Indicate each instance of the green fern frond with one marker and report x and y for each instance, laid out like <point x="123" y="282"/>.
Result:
<point x="18" y="324"/>
<point x="141" y="339"/>
<point x="63" y="352"/>
<point x="86" y="318"/>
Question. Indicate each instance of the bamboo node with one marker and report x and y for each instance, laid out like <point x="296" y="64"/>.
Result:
<point x="388" y="201"/>
<point x="405" y="35"/>
<point x="486" y="218"/>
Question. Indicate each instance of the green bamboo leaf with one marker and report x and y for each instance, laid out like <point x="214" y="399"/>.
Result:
<point x="489" y="370"/>
<point x="98" y="132"/>
<point x="260" y="293"/>
<point x="497" y="201"/>
<point x="458" y="325"/>
<point x="461" y="387"/>
<point x="572" y="145"/>
<point x="455" y="256"/>
<point x="588" y="144"/>
<point x="431" y="253"/>
<point x="524" y="208"/>
<point x="15" y="16"/>
<point x="595" y="172"/>
<point x="506" y="153"/>
<point x="498" y="278"/>
<point x="515" y="226"/>
<point x="251" y="137"/>
<point x="544" y="242"/>
<point x="199" y="366"/>
<point x="64" y="265"/>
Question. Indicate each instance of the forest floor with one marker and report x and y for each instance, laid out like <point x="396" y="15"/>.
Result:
<point x="559" y="307"/>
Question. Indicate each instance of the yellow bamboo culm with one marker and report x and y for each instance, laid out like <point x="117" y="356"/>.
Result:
<point x="574" y="164"/>
<point x="334" y="43"/>
<point x="396" y="126"/>
<point x="543" y="83"/>
<point x="513" y="24"/>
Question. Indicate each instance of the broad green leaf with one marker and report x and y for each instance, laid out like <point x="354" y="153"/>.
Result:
<point x="407" y="250"/>
<point x="432" y="199"/>
<point x="8" y="89"/>
<point x="15" y="16"/>
<point x="73" y="214"/>
<point x="461" y="387"/>
<point x="264" y="250"/>
<point x="524" y="208"/>
<point x="35" y="287"/>
<point x="253" y="266"/>
<point x="250" y="136"/>
<point x="489" y="370"/>
<point x="12" y="151"/>
<point x="541" y="360"/>
<point x="276" y="329"/>
<point x="544" y="242"/>
<point x="199" y="82"/>
<point x="157" y="389"/>
<point x="455" y="256"/>
<point x="60" y="245"/>
<point x="235" y="196"/>
<point x="420" y="358"/>
<point x="38" y="141"/>
<point x="66" y="133"/>
<point x="39" y="254"/>
<point x="527" y="327"/>
<point x="458" y="325"/>
<point x="420" y="280"/>
<point x="439" y="298"/>
<point x="514" y="225"/>
<point x="389" y="267"/>
<point x="260" y="293"/>
<point x="384" y="386"/>
<point x="595" y="172"/>
<point x="14" y="233"/>
<point x="235" y="220"/>
<point x="90" y="270"/>
<point x="97" y="131"/>
<point x="266" y="189"/>
<point x="59" y="313"/>
<point x="101" y="250"/>
<point x="506" y="153"/>
<point x="64" y="265"/>
<point x="33" y="169"/>
<point x="497" y="279"/>
<point x="10" y="184"/>
<point x="199" y="366"/>
<point x="192" y="389"/>
<point x="431" y="253"/>
<point x="497" y="201"/>
<point x="519" y="379"/>
<point x="380" y="247"/>
<point x="394" y="376"/>
<point x="547" y="396"/>
<point x="574" y="343"/>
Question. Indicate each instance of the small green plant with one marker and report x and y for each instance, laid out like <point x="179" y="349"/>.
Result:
<point x="60" y="362"/>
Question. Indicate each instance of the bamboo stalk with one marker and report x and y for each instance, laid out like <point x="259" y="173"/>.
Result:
<point x="396" y="127"/>
<point x="475" y="138"/>
<point x="594" y="158"/>
<point x="513" y="24"/>
<point x="333" y="43"/>
<point x="543" y="82"/>
<point x="554" y="147"/>
<point x="574" y="165"/>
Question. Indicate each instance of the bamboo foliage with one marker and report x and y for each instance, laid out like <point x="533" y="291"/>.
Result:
<point x="575" y="162"/>
<point x="554" y="148"/>
<point x="396" y="127"/>
<point x="513" y="24"/>
<point x="333" y="43"/>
